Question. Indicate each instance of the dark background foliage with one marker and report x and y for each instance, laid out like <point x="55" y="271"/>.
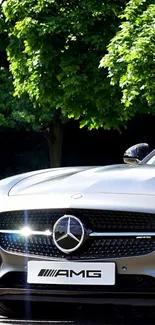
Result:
<point x="25" y="151"/>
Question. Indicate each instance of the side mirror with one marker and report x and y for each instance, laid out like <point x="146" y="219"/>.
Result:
<point x="136" y="153"/>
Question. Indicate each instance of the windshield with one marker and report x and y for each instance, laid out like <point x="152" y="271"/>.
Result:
<point x="151" y="161"/>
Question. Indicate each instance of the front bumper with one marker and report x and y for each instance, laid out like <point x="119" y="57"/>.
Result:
<point x="57" y="296"/>
<point x="135" y="283"/>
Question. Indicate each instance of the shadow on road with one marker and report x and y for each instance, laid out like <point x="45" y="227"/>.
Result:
<point x="86" y="315"/>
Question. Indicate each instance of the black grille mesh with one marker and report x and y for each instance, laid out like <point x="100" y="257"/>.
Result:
<point x="93" y="248"/>
<point x="96" y="220"/>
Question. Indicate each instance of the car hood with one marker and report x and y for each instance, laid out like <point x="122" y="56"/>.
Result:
<point x="115" y="179"/>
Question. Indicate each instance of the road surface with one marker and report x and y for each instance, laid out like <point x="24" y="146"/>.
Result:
<point x="91" y="316"/>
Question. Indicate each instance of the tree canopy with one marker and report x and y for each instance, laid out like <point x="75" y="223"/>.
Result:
<point x="54" y="51"/>
<point x="131" y="58"/>
<point x="14" y="112"/>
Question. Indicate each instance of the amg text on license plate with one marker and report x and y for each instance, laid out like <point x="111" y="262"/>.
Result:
<point x="75" y="273"/>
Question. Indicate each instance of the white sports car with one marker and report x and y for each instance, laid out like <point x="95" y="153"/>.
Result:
<point x="79" y="234"/>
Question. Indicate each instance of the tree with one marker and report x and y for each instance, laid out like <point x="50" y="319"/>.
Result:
<point x="54" y="52"/>
<point x="14" y="112"/>
<point x="131" y="58"/>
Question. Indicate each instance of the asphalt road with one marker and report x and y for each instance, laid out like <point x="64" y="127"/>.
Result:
<point x="89" y="315"/>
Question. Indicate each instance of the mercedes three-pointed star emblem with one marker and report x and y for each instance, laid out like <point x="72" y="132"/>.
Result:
<point x="68" y="233"/>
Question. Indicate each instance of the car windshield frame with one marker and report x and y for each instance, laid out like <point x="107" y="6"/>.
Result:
<point x="148" y="157"/>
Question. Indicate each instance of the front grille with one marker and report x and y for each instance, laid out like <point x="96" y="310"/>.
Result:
<point x="96" y="220"/>
<point x="93" y="249"/>
<point x="124" y="284"/>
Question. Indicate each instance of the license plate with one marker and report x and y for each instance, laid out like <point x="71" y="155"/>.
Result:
<point x="50" y="272"/>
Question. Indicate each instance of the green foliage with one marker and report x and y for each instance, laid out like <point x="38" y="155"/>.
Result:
<point x="54" y="51"/>
<point x="14" y="112"/>
<point x="5" y="97"/>
<point x="131" y="57"/>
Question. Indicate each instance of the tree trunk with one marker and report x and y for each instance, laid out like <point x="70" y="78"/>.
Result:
<point x="54" y="137"/>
